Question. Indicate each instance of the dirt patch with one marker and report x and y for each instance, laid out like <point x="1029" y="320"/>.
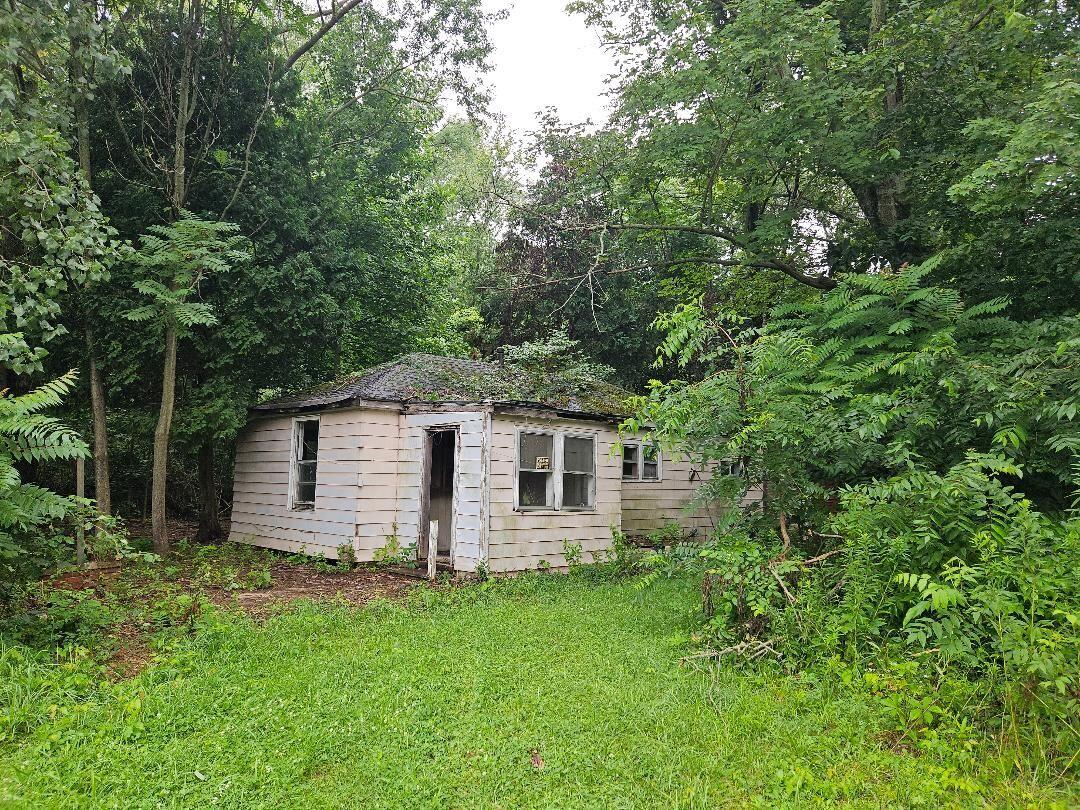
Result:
<point x="147" y="595"/>
<point x="132" y="655"/>
<point x="177" y="529"/>
<point x="291" y="582"/>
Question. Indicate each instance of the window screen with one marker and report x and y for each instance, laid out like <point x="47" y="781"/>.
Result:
<point x="306" y="462"/>
<point x="578" y="472"/>
<point x="535" y="470"/>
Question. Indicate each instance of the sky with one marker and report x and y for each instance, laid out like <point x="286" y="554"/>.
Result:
<point x="546" y="57"/>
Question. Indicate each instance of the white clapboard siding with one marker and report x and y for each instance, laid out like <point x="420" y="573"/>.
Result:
<point x="378" y="491"/>
<point x="342" y="515"/>
<point x="519" y="540"/>
<point x="369" y="481"/>
<point x="651" y="505"/>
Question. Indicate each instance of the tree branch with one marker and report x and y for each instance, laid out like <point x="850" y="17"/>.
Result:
<point x="324" y="29"/>
<point x="819" y="281"/>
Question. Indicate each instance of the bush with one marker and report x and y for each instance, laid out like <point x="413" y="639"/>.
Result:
<point x="37" y="526"/>
<point x="916" y="459"/>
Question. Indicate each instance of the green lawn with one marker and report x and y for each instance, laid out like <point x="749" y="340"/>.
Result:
<point x="546" y="691"/>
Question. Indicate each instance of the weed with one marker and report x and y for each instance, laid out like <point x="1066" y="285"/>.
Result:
<point x="347" y="556"/>
<point x="572" y="553"/>
<point x="393" y="553"/>
<point x="483" y="571"/>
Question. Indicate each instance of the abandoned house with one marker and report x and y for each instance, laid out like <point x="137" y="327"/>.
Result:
<point x="454" y="462"/>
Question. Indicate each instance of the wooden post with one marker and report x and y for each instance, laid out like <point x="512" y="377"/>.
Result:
<point x="80" y="491"/>
<point x="432" y="548"/>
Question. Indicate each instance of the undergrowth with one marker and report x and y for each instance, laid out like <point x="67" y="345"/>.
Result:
<point x="544" y="690"/>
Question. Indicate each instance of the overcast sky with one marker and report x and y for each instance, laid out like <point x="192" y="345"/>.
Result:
<point x="546" y="57"/>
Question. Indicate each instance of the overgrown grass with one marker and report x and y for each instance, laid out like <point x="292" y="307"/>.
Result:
<point x="539" y="692"/>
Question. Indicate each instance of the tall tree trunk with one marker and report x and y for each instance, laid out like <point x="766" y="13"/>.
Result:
<point x="209" y="517"/>
<point x="161" y="444"/>
<point x="883" y="202"/>
<point x="102" y="487"/>
<point x="177" y="197"/>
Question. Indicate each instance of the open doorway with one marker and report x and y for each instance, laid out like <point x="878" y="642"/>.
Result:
<point x="438" y="507"/>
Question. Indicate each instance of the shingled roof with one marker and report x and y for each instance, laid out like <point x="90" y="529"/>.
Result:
<point x="435" y="379"/>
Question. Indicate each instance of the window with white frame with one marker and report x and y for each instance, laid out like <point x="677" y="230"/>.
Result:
<point x="578" y="472"/>
<point x="556" y="471"/>
<point x="536" y="470"/>
<point x="305" y="460"/>
<point x="640" y="461"/>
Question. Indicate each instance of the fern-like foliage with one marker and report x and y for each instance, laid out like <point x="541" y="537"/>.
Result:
<point x="880" y="375"/>
<point x="175" y="259"/>
<point x="919" y="456"/>
<point x="27" y="512"/>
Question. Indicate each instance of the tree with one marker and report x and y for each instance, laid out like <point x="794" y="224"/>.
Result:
<point x="54" y="241"/>
<point x="174" y="260"/>
<point x="54" y="234"/>
<point x="815" y="139"/>
<point x="327" y="164"/>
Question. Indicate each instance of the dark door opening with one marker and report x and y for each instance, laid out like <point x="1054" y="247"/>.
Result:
<point x="439" y="495"/>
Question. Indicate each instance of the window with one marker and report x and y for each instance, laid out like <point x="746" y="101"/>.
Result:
<point x="556" y="471"/>
<point x="536" y="483"/>
<point x="579" y="472"/>
<point x="305" y="462"/>
<point x="641" y="462"/>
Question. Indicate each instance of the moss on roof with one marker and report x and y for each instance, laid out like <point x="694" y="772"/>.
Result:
<point x="433" y="378"/>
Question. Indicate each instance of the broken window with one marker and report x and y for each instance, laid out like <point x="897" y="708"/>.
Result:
<point x="305" y="462"/>
<point x="579" y="472"/>
<point x="536" y="488"/>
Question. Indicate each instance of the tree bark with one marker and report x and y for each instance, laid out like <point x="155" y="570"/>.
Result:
<point x="102" y="485"/>
<point x="883" y="202"/>
<point x="209" y="517"/>
<point x="161" y="444"/>
<point x="177" y="198"/>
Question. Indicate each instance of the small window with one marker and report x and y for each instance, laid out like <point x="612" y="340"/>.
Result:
<point x="579" y="472"/>
<point x="536" y="488"/>
<point x="641" y="462"/>
<point x="305" y="463"/>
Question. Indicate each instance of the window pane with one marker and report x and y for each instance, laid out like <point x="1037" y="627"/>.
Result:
<point x="309" y="446"/>
<point x="650" y="462"/>
<point x="578" y="454"/>
<point x="534" y="489"/>
<point x="305" y="472"/>
<point x="536" y="451"/>
<point x="577" y="490"/>
<point x="629" y="461"/>
<point x="305" y="493"/>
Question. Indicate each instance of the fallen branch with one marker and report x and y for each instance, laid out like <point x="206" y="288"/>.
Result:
<point x="783" y="587"/>
<point x="821" y="557"/>
<point x="750" y="649"/>
<point x="784" y="534"/>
